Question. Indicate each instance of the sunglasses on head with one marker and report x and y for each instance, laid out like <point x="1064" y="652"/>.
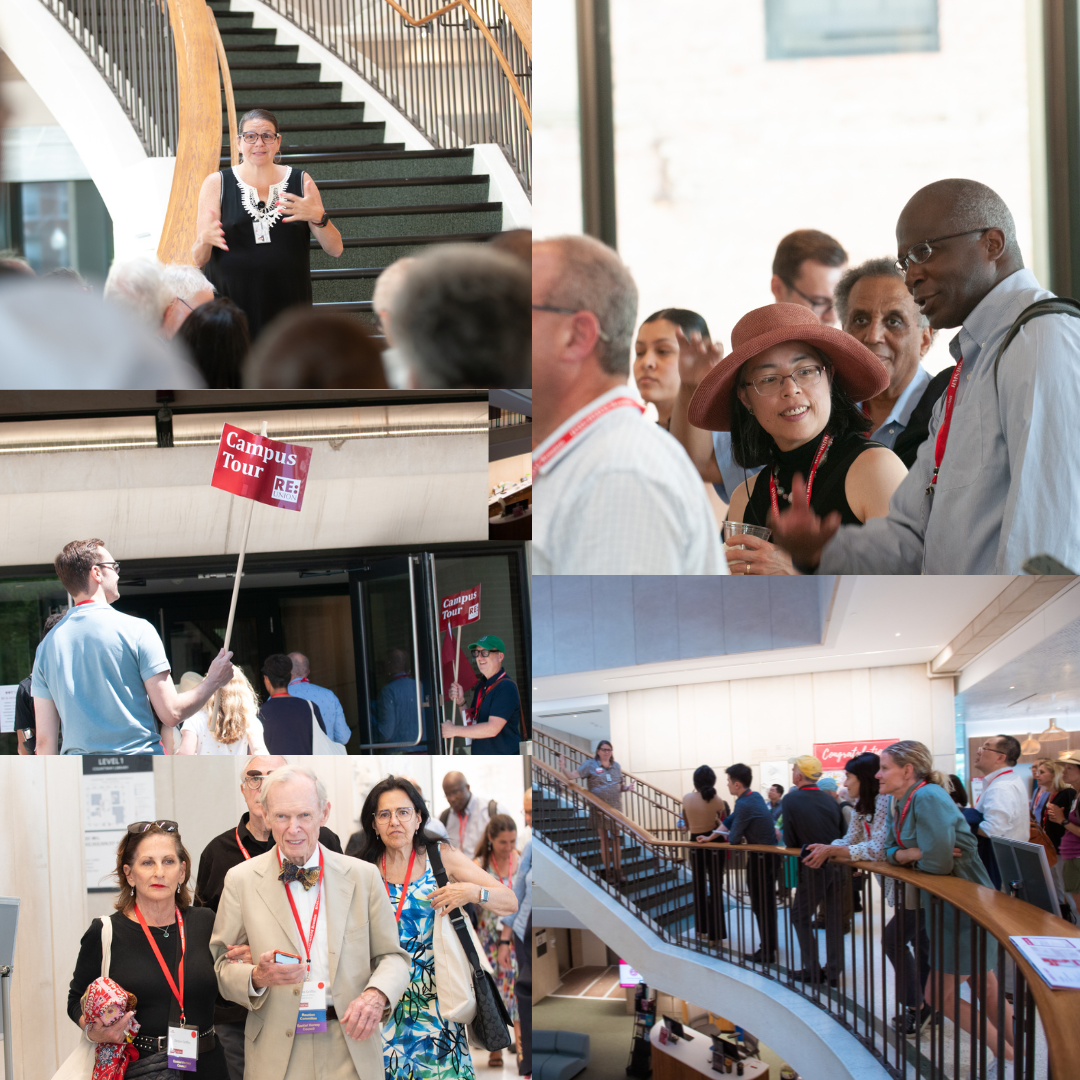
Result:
<point x="145" y="826"/>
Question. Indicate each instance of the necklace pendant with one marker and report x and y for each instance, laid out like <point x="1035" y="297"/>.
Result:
<point x="165" y="932"/>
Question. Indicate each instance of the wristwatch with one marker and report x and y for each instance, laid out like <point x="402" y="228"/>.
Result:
<point x="484" y="894"/>
<point x="321" y="224"/>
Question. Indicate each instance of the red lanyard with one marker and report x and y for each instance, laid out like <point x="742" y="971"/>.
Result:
<point x="825" y="444"/>
<point x="898" y="825"/>
<point x="178" y="994"/>
<point x="867" y="826"/>
<point x="462" y="818"/>
<point x="571" y="433"/>
<point x="404" y="888"/>
<point x="810" y="787"/>
<point x="482" y="692"/>
<point x="241" y="846"/>
<point x="943" y="431"/>
<point x="987" y="785"/>
<point x="309" y="940"/>
<point x="509" y="882"/>
<point x="81" y="602"/>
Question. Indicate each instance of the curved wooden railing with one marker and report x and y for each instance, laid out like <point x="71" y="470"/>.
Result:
<point x="992" y="913"/>
<point x="226" y="86"/>
<point x="198" y="151"/>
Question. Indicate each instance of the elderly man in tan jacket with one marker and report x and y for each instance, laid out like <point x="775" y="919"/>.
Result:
<point x="332" y="912"/>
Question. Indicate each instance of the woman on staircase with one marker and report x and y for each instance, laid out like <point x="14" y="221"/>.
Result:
<point x="255" y="223"/>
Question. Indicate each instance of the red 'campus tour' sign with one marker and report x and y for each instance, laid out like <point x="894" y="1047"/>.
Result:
<point x="459" y="609"/>
<point x="262" y="469"/>
<point x="834" y="755"/>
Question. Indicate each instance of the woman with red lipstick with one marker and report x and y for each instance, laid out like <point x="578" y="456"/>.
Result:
<point x="155" y="933"/>
<point x="255" y="224"/>
<point x="787" y="394"/>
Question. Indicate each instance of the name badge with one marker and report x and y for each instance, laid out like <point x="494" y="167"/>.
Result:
<point x="262" y="232"/>
<point x="312" y="1016"/>
<point x="183" y="1048"/>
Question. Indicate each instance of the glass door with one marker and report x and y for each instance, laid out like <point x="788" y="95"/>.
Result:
<point x="398" y="676"/>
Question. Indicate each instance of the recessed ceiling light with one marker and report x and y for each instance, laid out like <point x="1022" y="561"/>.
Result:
<point x="1012" y="687"/>
<point x="898" y="633"/>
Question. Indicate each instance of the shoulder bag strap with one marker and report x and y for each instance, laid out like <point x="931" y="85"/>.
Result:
<point x="457" y="917"/>
<point x="1052" y="305"/>
<point x="106" y="946"/>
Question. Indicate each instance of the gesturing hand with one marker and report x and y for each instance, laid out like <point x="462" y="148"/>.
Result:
<point x="799" y="530"/>
<point x="364" y="1014"/>
<point x="697" y="357"/>
<point x="214" y="235"/>
<point x="110" y="1033"/>
<point x="267" y="973"/>
<point x="308" y="207"/>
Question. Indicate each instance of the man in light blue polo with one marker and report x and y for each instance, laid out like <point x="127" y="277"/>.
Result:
<point x="337" y="728"/>
<point x="104" y="675"/>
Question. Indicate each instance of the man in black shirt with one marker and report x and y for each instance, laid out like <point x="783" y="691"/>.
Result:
<point x="812" y="816"/>
<point x="235" y="845"/>
<point x="286" y="720"/>
<point x="25" y="720"/>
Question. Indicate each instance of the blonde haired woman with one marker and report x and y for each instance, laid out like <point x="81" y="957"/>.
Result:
<point x="238" y="730"/>
<point x="928" y="832"/>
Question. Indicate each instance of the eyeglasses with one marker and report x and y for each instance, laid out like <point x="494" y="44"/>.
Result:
<point x="569" y="311"/>
<point x="482" y="652"/>
<point x="254" y="780"/>
<point x="251" y="137"/>
<point x="114" y="565"/>
<point x="992" y="749"/>
<point x="404" y="813"/>
<point x="771" y="385"/>
<point x="919" y="253"/>
<point x="818" y="304"/>
<point x="184" y="302"/>
<point x="137" y="827"/>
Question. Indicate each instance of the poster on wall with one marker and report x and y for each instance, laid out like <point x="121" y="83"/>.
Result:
<point x="775" y="772"/>
<point x="117" y="790"/>
<point x="7" y="707"/>
<point x="833" y="756"/>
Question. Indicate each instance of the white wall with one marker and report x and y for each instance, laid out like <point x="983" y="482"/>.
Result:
<point x="41" y="858"/>
<point x="663" y="734"/>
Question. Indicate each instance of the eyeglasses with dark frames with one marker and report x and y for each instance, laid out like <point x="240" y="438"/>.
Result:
<point x="252" y="137"/>
<point x="570" y="311"/>
<point x="254" y="780"/>
<point x="919" y="253"/>
<point x="482" y="652"/>
<point x="137" y="827"/>
<point x="114" y="565"/>
<point x="818" y="304"/>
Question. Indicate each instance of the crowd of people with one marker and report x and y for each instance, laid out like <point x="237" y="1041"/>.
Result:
<point x="893" y="807"/>
<point x="102" y="683"/>
<point x="835" y="449"/>
<point x="241" y="313"/>
<point x="371" y="981"/>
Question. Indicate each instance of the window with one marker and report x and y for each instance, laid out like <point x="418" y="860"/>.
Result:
<point x="801" y="28"/>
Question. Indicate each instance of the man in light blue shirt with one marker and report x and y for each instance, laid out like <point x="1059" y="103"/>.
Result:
<point x="337" y="728"/>
<point x="1005" y="485"/>
<point x="104" y="675"/>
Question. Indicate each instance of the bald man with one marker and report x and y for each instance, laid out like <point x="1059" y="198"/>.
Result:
<point x="301" y="686"/>
<point x="998" y="478"/>
<point x="468" y="814"/>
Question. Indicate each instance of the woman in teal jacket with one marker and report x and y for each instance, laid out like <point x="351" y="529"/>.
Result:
<point x="928" y="832"/>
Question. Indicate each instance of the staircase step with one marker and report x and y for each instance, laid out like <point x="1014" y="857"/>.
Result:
<point x="249" y="35"/>
<point x="382" y="251"/>
<point x="386" y="164"/>
<point x="360" y="136"/>
<point x="298" y="93"/>
<point x="342" y="289"/>
<point x="217" y="6"/>
<point x="305" y="161"/>
<point x="276" y="74"/>
<point x="233" y="20"/>
<point x="240" y="54"/>
<point x="357" y="309"/>
<point x="418" y="220"/>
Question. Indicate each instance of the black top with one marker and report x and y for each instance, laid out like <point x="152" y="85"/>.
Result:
<point x="501" y="700"/>
<point x="751" y="820"/>
<point x="24" y="706"/>
<point x="907" y="444"/>
<point x="286" y="724"/>
<point x="134" y="966"/>
<point x="222" y="854"/>
<point x="827" y="493"/>
<point x="811" y="817"/>
<point x="261" y="279"/>
<point x="1063" y="798"/>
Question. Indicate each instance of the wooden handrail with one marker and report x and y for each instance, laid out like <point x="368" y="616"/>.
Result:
<point x="998" y="914"/>
<point x="508" y="71"/>
<point x="226" y="83"/>
<point x="199" y="146"/>
<point x="519" y="12"/>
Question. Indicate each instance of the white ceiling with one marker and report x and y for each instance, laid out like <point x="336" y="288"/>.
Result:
<point x="876" y="621"/>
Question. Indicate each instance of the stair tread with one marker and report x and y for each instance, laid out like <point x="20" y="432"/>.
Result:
<point x="400" y="241"/>
<point x="317" y="85"/>
<point x="411" y="181"/>
<point x="398" y="211"/>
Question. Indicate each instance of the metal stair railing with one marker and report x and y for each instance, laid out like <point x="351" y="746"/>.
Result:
<point x="952" y="925"/>
<point x="459" y="70"/>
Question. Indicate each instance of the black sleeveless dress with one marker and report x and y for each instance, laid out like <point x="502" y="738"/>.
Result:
<point x="261" y="279"/>
<point x="827" y="493"/>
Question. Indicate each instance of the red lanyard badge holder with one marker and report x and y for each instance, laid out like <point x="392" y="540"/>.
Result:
<point x="182" y="1042"/>
<point x="312" y="1015"/>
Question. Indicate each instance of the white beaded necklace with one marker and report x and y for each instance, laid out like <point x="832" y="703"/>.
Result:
<point x="249" y="199"/>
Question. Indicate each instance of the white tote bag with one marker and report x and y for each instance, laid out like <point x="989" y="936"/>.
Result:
<point x="453" y="974"/>
<point x="80" y="1063"/>
<point x="321" y="743"/>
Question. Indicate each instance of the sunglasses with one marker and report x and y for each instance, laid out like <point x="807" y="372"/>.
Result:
<point x="137" y="827"/>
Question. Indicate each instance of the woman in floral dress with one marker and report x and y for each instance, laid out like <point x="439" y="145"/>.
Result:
<point x="418" y="1044"/>
<point x="495" y="854"/>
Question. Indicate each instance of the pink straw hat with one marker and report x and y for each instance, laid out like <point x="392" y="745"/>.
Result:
<point x="855" y="368"/>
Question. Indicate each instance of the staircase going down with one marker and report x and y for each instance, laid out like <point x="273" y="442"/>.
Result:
<point x="387" y="202"/>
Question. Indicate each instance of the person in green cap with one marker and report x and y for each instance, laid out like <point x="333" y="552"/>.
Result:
<point x="495" y="713"/>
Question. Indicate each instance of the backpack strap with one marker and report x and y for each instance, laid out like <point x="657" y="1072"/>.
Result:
<point x="1052" y="305"/>
<point x="493" y="808"/>
<point x="444" y="817"/>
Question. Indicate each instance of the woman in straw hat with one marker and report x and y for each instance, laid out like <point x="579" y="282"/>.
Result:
<point x="787" y="393"/>
<point x="1070" y="840"/>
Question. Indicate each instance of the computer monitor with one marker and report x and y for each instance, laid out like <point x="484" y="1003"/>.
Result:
<point x="1025" y="872"/>
<point x="675" y="1027"/>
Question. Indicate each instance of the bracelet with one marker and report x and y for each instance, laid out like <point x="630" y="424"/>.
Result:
<point x="321" y="224"/>
<point x="86" y="1032"/>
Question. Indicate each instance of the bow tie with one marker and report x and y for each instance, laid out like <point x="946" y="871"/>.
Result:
<point x="306" y="876"/>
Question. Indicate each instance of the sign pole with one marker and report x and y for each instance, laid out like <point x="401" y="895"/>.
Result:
<point x="457" y="661"/>
<point x="235" y="593"/>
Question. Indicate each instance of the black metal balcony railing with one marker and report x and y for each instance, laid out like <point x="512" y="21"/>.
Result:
<point x="756" y="907"/>
<point x="131" y="43"/>
<point x="444" y="75"/>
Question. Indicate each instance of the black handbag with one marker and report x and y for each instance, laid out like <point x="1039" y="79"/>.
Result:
<point x="490" y="1027"/>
